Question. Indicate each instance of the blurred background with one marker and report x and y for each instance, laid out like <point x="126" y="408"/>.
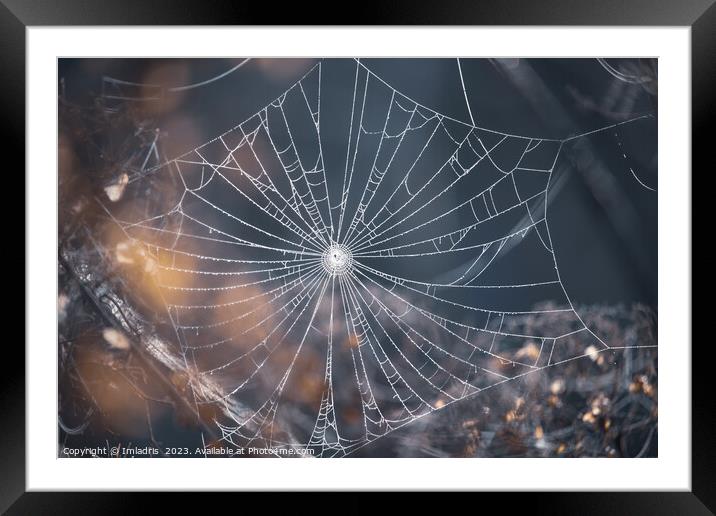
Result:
<point x="120" y="117"/>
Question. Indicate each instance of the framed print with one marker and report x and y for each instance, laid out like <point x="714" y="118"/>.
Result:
<point x="443" y="256"/>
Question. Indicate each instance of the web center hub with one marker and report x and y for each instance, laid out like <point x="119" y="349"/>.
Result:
<point x="337" y="259"/>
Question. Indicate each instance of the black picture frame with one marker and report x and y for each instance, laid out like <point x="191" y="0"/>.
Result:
<point x="700" y="15"/>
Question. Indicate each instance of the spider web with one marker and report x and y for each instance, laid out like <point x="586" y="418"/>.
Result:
<point x="439" y="217"/>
